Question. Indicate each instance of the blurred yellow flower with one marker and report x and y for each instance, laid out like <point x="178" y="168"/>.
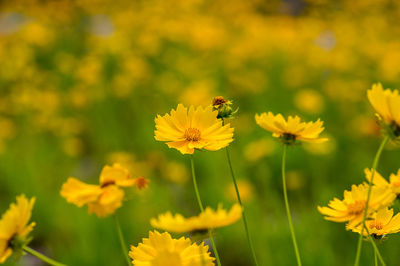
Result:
<point x="246" y="189"/>
<point x="292" y="129"/>
<point x="387" y="104"/>
<point x="175" y="172"/>
<point x="258" y="149"/>
<point x="321" y="148"/>
<point x="351" y="208"/>
<point x="364" y="125"/>
<point x="105" y="198"/>
<point x="295" y="180"/>
<point x="130" y="162"/>
<point x="394" y="179"/>
<point x="197" y="128"/>
<point x="382" y="223"/>
<point x="209" y="219"/>
<point x="198" y="93"/>
<point x="163" y="250"/>
<point x="310" y="101"/>
<point x="73" y="146"/>
<point x="38" y="34"/>
<point x="14" y="227"/>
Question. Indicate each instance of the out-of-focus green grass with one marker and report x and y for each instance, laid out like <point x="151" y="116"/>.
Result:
<point x="80" y="85"/>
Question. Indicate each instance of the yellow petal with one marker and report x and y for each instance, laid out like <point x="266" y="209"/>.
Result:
<point x="79" y="193"/>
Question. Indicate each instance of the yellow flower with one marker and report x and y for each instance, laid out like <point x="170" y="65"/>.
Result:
<point x="163" y="250"/>
<point x="351" y="208"/>
<point x="105" y="198"/>
<point x="197" y="128"/>
<point x="394" y="179"/>
<point x="386" y="103"/>
<point x="209" y="219"/>
<point x="14" y="226"/>
<point x="291" y="130"/>
<point x="382" y="223"/>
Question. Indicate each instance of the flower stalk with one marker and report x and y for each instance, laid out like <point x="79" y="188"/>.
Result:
<point x="374" y="166"/>
<point x="376" y="251"/>
<point x="41" y="256"/>
<point x="296" y="249"/>
<point x="202" y="209"/>
<point x="243" y="212"/>
<point x="122" y="240"/>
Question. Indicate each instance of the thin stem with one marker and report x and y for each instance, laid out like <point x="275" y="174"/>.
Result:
<point x="122" y="240"/>
<point x="41" y="256"/>
<point x="376" y="250"/>
<point x="375" y="258"/>
<point x="374" y="166"/>
<point x="202" y="210"/>
<point x="196" y="189"/>
<point x="296" y="249"/>
<point x="241" y="204"/>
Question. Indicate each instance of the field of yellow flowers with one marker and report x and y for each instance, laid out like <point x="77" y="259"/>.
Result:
<point x="196" y="132"/>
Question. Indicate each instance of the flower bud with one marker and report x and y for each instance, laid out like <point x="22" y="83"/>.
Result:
<point x="224" y="107"/>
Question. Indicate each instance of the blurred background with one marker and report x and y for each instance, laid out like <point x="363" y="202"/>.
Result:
<point x="81" y="83"/>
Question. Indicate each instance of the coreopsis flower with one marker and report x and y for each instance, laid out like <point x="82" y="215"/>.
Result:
<point x="163" y="250"/>
<point x="15" y="227"/>
<point x="382" y="223"/>
<point x="196" y="128"/>
<point x="224" y="107"/>
<point x="209" y="219"/>
<point x="105" y="198"/>
<point x="379" y="180"/>
<point x="351" y="208"/>
<point x="387" y="105"/>
<point x="291" y="130"/>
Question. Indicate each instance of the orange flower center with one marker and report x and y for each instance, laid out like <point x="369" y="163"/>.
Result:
<point x="192" y="134"/>
<point x="376" y="224"/>
<point x="141" y="182"/>
<point x="356" y="207"/>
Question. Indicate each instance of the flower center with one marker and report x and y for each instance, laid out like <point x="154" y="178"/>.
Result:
<point x="219" y="100"/>
<point x="376" y="224"/>
<point x="288" y="138"/>
<point x="192" y="134"/>
<point x="107" y="183"/>
<point x="356" y="207"/>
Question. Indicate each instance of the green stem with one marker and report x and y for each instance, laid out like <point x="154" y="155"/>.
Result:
<point x="42" y="257"/>
<point x="296" y="249"/>
<point x="378" y="254"/>
<point x="122" y="240"/>
<point x="241" y="204"/>
<point x="202" y="209"/>
<point x="375" y="258"/>
<point x="374" y="166"/>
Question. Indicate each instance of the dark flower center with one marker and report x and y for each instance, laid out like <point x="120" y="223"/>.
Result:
<point x="219" y="100"/>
